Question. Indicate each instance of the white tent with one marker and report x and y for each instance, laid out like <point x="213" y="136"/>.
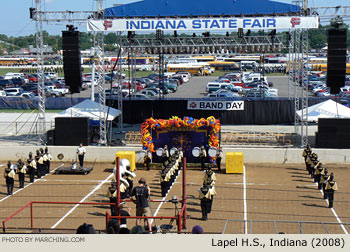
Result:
<point x="326" y="109"/>
<point x="88" y="108"/>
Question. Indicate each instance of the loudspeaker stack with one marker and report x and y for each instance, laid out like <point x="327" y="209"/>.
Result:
<point x="72" y="60"/>
<point x="336" y="59"/>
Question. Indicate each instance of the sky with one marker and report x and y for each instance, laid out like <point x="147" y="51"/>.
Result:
<point x="15" y="21"/>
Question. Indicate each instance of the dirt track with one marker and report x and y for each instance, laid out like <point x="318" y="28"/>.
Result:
<point x="273" y="192"/>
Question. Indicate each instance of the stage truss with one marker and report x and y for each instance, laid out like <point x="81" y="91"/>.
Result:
<point x="297" y="42"/>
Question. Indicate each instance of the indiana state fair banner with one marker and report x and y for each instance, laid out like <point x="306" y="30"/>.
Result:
<point x="212" y="24"/>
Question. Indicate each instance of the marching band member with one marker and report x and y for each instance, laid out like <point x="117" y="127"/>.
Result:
<point x="330" y="188"/>
<point x="21" y="170"/>
<point x="206" y="194"/>
<point x="9" y="175"/>
<point x="165" y="155"/>
<point x="31" y="167"/>
<point x="219" y="156"/>
<point x="148" y="158"/>
<point x="203" y="156"/>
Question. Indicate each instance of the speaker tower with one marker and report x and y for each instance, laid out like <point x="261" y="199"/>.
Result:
<point x="336" y="59"/>
<point x="72" y="59"/>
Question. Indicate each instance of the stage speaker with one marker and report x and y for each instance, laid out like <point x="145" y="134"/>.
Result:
<point x="71" y="131"/>
<point x="72" y="60"/>
<point x="50" y="137"/>
<point x="336" y="59"/>
<point x="333" y="133"/>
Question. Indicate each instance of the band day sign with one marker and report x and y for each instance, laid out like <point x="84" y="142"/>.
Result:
<point x="198" y="24"/>
<point x="215" y="105"/>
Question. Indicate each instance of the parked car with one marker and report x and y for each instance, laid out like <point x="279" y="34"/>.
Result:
<point x="64" y="90"/>
<point x="148" y="92"/>
<point x="6" y="84"/>
<point x="26" y="95"/>
<point x="49" y="92"/>
<point x="13" y="91"/>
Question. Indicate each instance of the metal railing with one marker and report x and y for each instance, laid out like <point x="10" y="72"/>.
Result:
<point x="282" y="226"/>
<point x="18" y="128"/>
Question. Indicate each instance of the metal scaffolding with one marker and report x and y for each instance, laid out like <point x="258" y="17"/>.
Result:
<point x="327" y="13"/>
<point x="100" y="70"/>
<point x="193" y="45"/>
<point x="297" y="44"/>
<point x="298" y="76"/>
<point x="38" y="17"/>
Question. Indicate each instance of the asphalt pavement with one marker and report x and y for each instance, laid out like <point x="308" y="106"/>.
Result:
<point x="195" y="88"/>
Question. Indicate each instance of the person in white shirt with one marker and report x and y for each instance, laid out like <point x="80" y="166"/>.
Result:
<point x="81" y="151"/>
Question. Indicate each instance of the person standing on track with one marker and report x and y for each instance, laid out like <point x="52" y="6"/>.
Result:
<point x="203" y="156"/>
<point x="165" y="155"/>
<point x="141" y="194"/>
<point x="206" y="194"/>
<point x="219" y="156"/>
<point x="47" y="158"/>
<point x="323" y="181"/>
<point x="40" y="164"/>
<point x="9" y="175"/>
<point x="148" y="158"/>
<point x="331" y="187"/>
<point x="21" y="170"/>
<point x="31" y="167"/>
<point x="81" y="151"/>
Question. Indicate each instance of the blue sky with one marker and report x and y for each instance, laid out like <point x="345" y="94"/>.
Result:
<point x="14" y="14"/>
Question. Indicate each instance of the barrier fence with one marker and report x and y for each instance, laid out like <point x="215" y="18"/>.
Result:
<point x="179" y="217"/>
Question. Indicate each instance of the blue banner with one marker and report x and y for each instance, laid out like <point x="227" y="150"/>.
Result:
<point x="186" y="138"/>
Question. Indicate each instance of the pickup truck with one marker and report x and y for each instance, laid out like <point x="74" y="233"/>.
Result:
<point x="64" y="91"/>
<point x="49" y="92"/>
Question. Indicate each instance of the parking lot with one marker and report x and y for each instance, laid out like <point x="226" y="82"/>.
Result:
<point x="195" y="88"/>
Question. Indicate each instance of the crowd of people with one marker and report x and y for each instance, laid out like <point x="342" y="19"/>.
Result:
<point x="320" y="174"/>
<point x="37" y="166"/>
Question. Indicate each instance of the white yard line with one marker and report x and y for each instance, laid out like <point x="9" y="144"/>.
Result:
<point x="245" y="202"/>
<point x="87" y="196"/>
<point x="161" y="203"/>
<point x="35" y="180"/>
<point x="72" y="180"/>
<point x="335" y="215"/>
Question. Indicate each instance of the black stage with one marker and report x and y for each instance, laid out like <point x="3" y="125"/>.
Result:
<point x="73" y="169"/>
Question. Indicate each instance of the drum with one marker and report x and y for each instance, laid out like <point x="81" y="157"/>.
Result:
<point x="212" y="151"/>
<point x="159" y="152"/>
<point x="196" y="151"/>
<point x="142" y="153"/>
<point x="173" y="150"/>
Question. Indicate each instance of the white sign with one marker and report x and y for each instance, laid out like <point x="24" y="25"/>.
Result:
<point x="200" y="24"/>
<point x="215" y="105"/>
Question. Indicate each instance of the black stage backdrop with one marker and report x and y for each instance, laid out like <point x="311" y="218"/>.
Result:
<point x="263" y="112"/>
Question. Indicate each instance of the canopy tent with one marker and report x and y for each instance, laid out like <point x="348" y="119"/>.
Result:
<point x="185" y="8"/>
<point x="326" y="109"/>
<point x="90" y="109"/>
